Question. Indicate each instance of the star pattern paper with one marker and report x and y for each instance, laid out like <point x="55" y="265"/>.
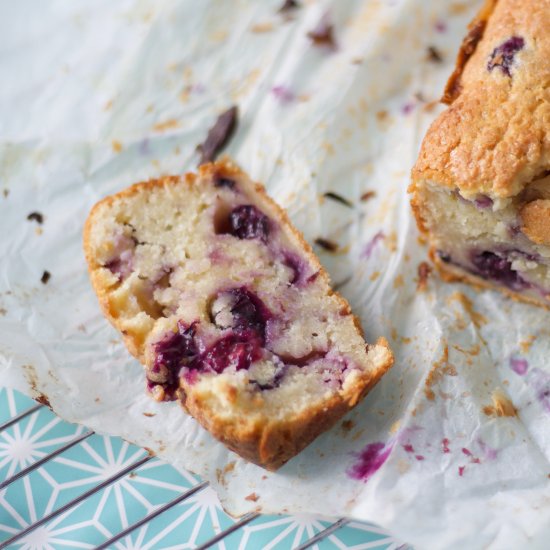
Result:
<point x="119" y="505"/>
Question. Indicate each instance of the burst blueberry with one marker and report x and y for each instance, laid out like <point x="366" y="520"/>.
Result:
<point x="247" y="222"/>
<point x="503" y="56"/>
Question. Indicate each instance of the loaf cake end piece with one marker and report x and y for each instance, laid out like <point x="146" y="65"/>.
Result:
<point x="481" y="185"/>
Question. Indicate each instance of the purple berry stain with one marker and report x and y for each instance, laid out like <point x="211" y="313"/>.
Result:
<point x="297" y="267"/>
<point x="176" y="350"/>
<point x="283" y="94"/>
<point x="498" y="268"/>
<point x="483" y="201"/>
<point x="488" y="452"/>
<point x="371" y="245"/>
<point x="519" y="365"/>
<point x="370" y="460"/>
<point x="183" y="352"/>
<point x="235" y="350"/>
<point x="503" y="56"/>
<point x="247" y="222"/>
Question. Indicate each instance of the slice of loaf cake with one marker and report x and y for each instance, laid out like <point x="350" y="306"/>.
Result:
<point x="229" y="310"/>
<point x="481" y="185"/>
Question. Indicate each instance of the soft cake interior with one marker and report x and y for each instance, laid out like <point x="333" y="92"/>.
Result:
<point x="496" y="240"/>
<point x="222" y="304"/>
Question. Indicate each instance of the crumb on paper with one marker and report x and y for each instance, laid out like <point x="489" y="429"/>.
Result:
<point x="367" y="195"/>
<point x="501" y="406"/>
<point x="149" y="414"/>
<point x="424" y="271"/>
<point x="395" y="427"/>
<point x="458" y="8"/>
<point x="3" y="311"/>
<point x="218" y="135"/>
<point x="439" y="369"/>
<point x="347" y="426"/>
<point x="433" y="55"/>
<point x="38" y="217"/>
<point x="398" y="282"/>
<point x="252" y="497"/>
<point x="43" y="400"/>
<point x="323" y="33"/>
<point x="288" y="5"/>
<point x="326" y="244"/>
<point x="45" y="277"/>
<point x="117" y="146"/>
<point x="338" y="198"/>
<point x="526" y="344"/>
<point x="5" y="192"/>
<point x="108" y="105"/>
<point x="259" y="28"/>
<point x="391" y="241"/>
<point x="477" y="319"/>
<point x="166" y="125"/>
<point x="374" y="276"/>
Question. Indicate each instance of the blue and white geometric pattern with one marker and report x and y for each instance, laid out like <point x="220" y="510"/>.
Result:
<point x="109" y="511"/>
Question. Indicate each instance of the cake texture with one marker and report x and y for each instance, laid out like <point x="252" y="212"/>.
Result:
<point x="481" y="184"/>
<point x="229" y="310"/>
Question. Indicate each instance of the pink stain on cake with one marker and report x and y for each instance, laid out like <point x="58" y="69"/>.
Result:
<point x="371" y="245"/>
<point x="370" y="460"/>
<point x="445" y="446"/>
<point x="420" y="458"/>
<point x="408" y="448"/>
<point x="440" y="26"/>
<point x="519" y="365"/>
<point x="461" y="470"/>
<point x="466" y="451"/>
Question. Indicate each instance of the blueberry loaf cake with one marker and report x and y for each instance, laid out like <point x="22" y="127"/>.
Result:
<point x="481" y="185"/>
<point x="229" y="311"/>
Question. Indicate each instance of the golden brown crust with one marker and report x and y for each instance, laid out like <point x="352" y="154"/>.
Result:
<point x="494" y="138"/>
<point x="475" y="33"/>
<point x="272" y="445"/>
<point x="268" y="445"/>
<point x="535" y="217"/>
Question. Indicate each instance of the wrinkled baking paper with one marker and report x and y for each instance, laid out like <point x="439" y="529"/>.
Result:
<point x="451" y="449"/>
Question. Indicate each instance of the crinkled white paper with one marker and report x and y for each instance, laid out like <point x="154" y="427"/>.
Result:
<point x="98" y="95"/>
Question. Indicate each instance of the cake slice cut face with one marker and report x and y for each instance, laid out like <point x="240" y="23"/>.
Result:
<point x="229" y="311"/>
<point x="481" y="185"/>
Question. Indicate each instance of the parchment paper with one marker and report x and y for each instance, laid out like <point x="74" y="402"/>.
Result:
<point x="98" y="95"/>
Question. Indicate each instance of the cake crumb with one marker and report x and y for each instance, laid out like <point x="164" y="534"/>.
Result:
<point x="149" y="414"/>
<point x="347" y="426"/>
<point x="424" y="271"/>
<point x="526" y="344"/>
<point x="367" y="195"/>
<point x="117" y="146"/>
<point x="398" y="282"/>
<point x="502" y="405"/>
<point x="166" y="125"/>
<point x="45" y="277"/>
<point x="438" y="370"/>
<point x="253" y="497"/>
<point x="259" y="28"/>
